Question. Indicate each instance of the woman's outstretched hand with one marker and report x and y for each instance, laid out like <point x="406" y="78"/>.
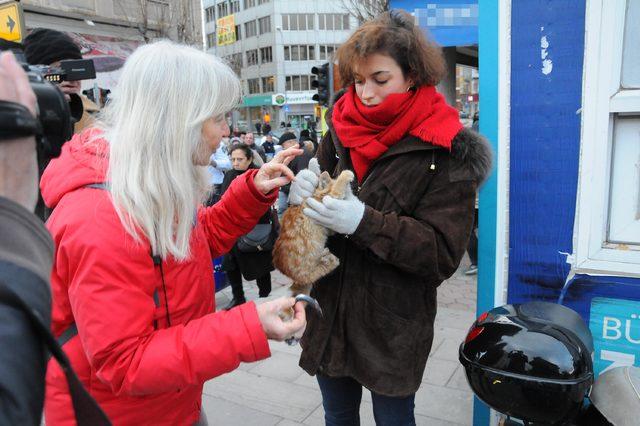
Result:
<point x="273" y="325"/>
<point x="275" y="173"/>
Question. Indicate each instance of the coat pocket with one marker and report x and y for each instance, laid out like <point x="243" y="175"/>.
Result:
<point x="382" y="344"/>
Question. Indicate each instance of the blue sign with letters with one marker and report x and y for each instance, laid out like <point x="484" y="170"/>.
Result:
<point x="449" y="22"/>
<point x="615" y="326"/>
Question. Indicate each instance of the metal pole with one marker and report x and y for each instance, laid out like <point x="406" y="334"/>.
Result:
<point x="284" y="71"/>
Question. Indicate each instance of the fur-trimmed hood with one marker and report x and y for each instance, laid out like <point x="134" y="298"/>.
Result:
<point x="468" y="146"/>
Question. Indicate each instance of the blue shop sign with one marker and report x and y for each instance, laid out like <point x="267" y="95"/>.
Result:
<point x="449" y="22"/>
<point x="615" y="325"/>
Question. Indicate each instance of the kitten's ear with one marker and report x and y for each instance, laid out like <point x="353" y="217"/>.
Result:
<point x="324" y="180"/>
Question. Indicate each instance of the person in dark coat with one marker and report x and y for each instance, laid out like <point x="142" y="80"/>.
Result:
<point x="252" y="266"/>
<point x="287" y="140"/>
<point x="305" y="135"/>
<point x="268" y="146"/>
<point x="402" y="230"/>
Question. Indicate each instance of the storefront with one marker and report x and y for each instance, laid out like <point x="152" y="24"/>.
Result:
<point x="297" y="108"/>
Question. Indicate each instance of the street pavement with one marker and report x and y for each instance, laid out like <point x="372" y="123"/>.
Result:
<point x="276" y="391"/>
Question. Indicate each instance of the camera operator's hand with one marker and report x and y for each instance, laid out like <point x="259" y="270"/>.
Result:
<point x="18" y="161"/>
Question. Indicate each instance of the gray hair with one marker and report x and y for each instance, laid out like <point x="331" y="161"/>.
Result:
<point x="153" y="124"/>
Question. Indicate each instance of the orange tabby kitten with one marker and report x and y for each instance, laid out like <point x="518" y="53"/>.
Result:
<point x="300" y="251"/>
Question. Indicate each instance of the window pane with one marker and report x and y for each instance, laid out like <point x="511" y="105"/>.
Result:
<point x="312" y="53"/>
<point x="345" y="22"/>
<point x="285" y="22"/>
<point x="310" y="21"/>
<point x="296" y="82"/>
<point x="287" y="84"/>
<point x="293" y="22"/>
<point x="320" y="21"/>
<point x="302" y="22"/>
<point x="295" y="53"/>
<point x="624" y="209"/>
<point x="287" y="56"/>
<point x="631" y="50"/>
<point x="329" y="22"/>
<point x="337" y="22"/>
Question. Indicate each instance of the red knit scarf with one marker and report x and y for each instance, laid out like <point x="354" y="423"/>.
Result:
<point x="368" y="132"/>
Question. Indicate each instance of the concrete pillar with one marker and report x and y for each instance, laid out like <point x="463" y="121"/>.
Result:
<point x="447" y="86"/>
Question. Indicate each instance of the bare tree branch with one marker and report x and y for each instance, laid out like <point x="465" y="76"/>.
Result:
<point x="365" y="10"/>
<point x="177" y="19"/>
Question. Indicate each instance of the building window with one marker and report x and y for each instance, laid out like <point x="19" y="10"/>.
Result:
<point x="254" y="85"/>
<point x="210" y="13"/>
<point x="298" y="82"/>
<point x="266" y="55"/>
<point x="297" y="21"/>
<point x="235" y="62"/>
<point x="223" y="9"/>
<point x="268" y="84"/>
<point x="238" y="33"/>
<point x="326" y="52"/>
<point x="211" y="40"/>
<point x="252" y="57"/>
<point x="249" y="4"/>
<point x="250" y="29"/>
<point x="608" y="214"/>
<point x="263" y="1"/>
<point x="300" y="52"/>
<point x="264" y="24"/>
<point x="235" y="6"/>
<point x="333" y="21"/>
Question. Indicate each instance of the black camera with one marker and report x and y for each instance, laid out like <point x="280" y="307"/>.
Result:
<point x="56" y="116"/>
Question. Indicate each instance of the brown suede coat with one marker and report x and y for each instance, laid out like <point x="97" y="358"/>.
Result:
<point x="380" y="304"/>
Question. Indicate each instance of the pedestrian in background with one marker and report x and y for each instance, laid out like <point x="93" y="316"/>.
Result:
<point x="132" y="281"/>
<point x="219" y="163"/>
<point x="44" y="46"/>
<point x="401" y="233"/>
<point x="250" y="141"/>
<point x="289" y="140"/>
<point x="237" y="264"/>
<point x="268" y="146"/>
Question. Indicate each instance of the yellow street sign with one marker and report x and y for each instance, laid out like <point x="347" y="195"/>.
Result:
<point x="11" y="22"/>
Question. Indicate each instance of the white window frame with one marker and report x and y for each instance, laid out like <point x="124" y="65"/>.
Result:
<point x="604" y="34"/>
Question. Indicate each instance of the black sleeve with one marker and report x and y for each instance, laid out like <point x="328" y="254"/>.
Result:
<point x="229" y="175"/>
<point x="26" y="253"/>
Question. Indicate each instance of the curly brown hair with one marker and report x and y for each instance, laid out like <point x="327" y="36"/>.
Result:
<point x="393" y="34"/>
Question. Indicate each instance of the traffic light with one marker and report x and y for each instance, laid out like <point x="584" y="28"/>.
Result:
<point x="323" y="83"/>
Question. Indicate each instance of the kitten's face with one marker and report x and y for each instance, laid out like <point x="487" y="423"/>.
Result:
<point x="325" y="185"/>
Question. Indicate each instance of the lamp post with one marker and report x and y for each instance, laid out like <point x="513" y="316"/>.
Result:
<point x="284" y="71"/>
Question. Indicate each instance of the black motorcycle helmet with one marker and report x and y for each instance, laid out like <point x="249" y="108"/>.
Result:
<point x="531" y="361"/>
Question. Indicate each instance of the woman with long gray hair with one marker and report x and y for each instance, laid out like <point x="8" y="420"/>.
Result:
<point x="132" y="282"/>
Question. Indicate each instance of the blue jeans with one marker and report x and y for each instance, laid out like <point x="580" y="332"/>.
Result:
<point x="341" y="401"/>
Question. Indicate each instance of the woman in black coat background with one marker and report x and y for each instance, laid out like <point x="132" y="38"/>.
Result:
<point x="252" y="266"/>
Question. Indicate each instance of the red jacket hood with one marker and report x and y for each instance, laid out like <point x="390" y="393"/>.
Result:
<point x="84" y="160"/>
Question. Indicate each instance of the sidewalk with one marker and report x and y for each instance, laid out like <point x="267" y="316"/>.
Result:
<point x="278" y="392"/>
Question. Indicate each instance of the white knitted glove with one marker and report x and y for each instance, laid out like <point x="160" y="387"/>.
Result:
<point x="305" y="183"/>
<point x="341" y="216"/>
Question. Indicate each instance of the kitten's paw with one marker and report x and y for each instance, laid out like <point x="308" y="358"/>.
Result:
<point x="330" y="261"/>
